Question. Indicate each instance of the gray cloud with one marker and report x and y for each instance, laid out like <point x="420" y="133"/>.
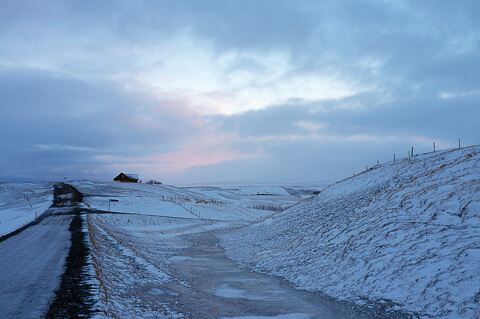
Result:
<point x="422" y="113"/>
<point x="341" y="145"/>
<point x="67" y="68"/>
<point x="297" y="162"/>
<point x="51" y="123"/>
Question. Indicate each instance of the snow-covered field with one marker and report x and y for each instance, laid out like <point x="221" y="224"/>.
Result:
<point x="20" y="201"/>
<point x="404" y="234"/>
<point x="193" y="202"/>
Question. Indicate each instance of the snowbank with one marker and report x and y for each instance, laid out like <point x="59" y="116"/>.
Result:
<point x="20" y="201"/>
<point x="403" y="234"/>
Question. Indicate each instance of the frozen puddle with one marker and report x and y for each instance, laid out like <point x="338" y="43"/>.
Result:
<point x="159" y="291"/>
<point x="219" y="288"/>
<point x="226" y="291"/>
<point x="180" y="258"/>
<point x="289" y="316"/>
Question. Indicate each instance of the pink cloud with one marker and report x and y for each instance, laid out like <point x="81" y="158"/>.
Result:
<point x="179" y="161"/>
<point x="208" y="148"/>
<point x="129" y="165"/>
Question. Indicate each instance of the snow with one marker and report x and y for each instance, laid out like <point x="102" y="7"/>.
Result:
<point x="403" y="234"/>
<point x="20" y="201"/>
<point x="259" y="190"/>
<point x="131" y="255"/>
<point x="196" y="202"/>
<point x="32" y="263"/>
<point x="197" y="280"/>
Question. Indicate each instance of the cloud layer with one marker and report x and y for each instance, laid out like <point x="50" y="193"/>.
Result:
<point x="188" y="91"/>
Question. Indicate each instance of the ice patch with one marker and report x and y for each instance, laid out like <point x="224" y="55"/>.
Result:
<point x="177" y="259"/>
<point x="160" y="291"/>
<point x="227" y="291"/>
<point x="286" y="316"/>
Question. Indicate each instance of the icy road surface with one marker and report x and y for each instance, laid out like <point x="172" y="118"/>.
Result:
<point x="31" y="265"/>
<point x="43" y="264"/>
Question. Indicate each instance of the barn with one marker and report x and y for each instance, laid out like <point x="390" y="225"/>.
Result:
<point x="128" y="178"/>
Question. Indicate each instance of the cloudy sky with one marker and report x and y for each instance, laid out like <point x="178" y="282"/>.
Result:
<point x="218" y="91"/>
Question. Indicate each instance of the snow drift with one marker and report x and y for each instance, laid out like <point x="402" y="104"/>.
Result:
<point x="403" y="234"/>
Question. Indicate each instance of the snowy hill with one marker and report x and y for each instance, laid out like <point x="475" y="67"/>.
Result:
<point x="404" y="234"/>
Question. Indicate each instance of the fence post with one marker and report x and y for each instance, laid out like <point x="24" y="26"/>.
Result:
<point x="412" y="151"/>
<point x="434" y="147"/>
<point x="458" y="143"/>
<point x="393" y="158"/>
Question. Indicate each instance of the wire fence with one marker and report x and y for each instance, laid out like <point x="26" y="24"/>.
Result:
<point x="422" y="148"/>
<point x="192" y="204"/>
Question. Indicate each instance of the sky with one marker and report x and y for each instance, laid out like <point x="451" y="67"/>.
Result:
<point x="189" y="92"/>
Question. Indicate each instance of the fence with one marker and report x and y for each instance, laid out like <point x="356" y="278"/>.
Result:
<point x="189" y="204"/>
<point x="434" y="147"/>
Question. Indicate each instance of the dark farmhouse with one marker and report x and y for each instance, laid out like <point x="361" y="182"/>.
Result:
<point x="129" y="178"/>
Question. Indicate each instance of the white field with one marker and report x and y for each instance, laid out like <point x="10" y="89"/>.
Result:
<point x="20" y="201"/>
<point x="193" y="202"/>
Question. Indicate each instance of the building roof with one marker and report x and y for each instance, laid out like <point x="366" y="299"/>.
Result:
<point x="126" y="177"/>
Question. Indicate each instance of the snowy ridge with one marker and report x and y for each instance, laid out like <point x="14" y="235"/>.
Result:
<point x="403" y="234"/>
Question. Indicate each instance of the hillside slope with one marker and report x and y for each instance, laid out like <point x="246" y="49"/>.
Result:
<point x="404" y="234"/>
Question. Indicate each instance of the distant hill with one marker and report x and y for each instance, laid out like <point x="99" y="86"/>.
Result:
<point x="406" y="235"/>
